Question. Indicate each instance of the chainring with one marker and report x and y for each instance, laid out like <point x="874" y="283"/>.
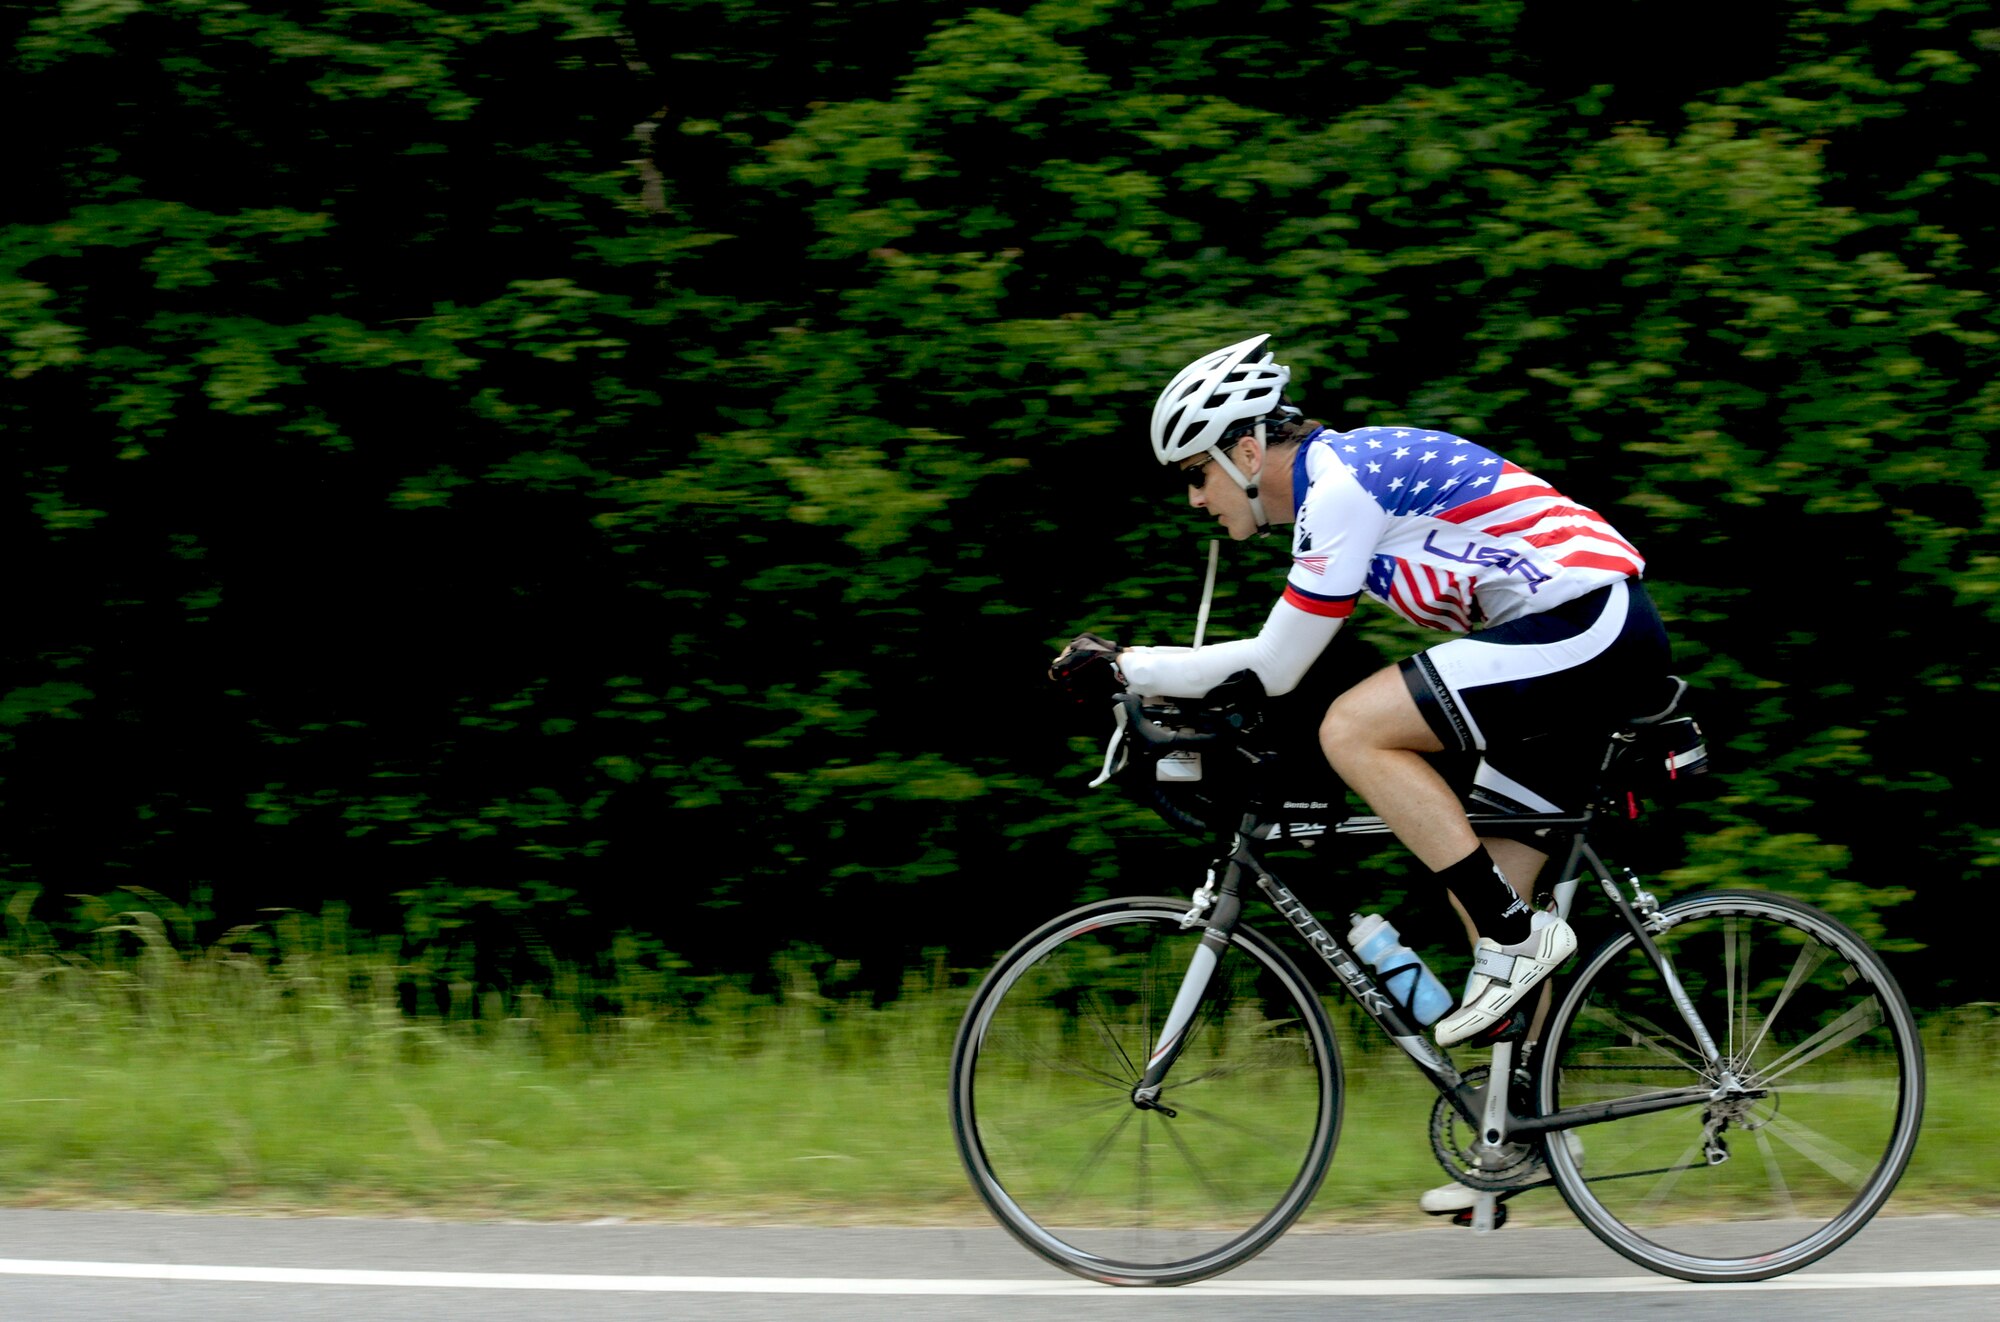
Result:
<point x="1453" y="1141"/>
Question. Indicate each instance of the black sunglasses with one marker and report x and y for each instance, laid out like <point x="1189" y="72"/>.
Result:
<point x="1197" y="474"/>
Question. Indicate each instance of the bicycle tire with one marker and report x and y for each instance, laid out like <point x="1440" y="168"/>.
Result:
<point x="1043" y="1069"/>
<point x="1831" y="1089"/>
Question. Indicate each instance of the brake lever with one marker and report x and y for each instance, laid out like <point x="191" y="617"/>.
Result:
<point x="1121" y="719"/>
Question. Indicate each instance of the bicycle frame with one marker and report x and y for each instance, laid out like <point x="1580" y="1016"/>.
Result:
<point x="1067" y="1037"/>
<point x="1220" y="902"/>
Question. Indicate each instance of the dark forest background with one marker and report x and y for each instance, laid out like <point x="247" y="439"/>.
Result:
<point x="573" y="481"/>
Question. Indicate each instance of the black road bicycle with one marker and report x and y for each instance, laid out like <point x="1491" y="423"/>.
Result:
<point x="1147" y="1091"/>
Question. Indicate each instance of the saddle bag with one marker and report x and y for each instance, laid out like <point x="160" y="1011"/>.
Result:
<point x="1679" y="749"/>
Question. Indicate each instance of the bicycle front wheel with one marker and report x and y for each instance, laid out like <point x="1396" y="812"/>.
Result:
<point x="1798" y="1133"/>
<point x="1043" y="1075"/>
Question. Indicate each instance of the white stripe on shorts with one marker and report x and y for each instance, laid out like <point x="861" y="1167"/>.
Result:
<point x="1467" y="663"/>
<point x="1490" y="777"/>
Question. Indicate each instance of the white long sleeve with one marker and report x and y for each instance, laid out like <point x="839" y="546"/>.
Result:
<point x="1291" y="640"/>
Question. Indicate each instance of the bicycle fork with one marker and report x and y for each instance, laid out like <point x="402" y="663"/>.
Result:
<point x="1222" y="908"/>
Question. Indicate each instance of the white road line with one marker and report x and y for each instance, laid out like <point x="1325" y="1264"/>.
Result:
<point x="841" y="1285"/>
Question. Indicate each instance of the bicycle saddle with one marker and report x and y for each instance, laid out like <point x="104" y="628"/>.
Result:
<point x="1671" y="688"/>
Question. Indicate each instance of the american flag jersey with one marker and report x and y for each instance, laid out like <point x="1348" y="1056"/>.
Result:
<point x="1440" y="529"/>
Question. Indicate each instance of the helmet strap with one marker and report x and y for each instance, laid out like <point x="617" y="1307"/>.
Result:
<point x="1249" y="487"/>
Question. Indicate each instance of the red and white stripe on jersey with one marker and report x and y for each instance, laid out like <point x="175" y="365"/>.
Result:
<point x="1435" y="600"/>
<point x="1314" y="603"/>
<point x="1524" y="507"/>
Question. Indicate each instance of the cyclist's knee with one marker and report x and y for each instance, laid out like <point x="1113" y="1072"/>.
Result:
<point x="1376" y="715"/>
<point x="1333" y="730"/>
<point x="1346" y="732"/>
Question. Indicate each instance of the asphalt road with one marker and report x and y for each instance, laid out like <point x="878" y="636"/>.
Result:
<point x="119" y="1265"/>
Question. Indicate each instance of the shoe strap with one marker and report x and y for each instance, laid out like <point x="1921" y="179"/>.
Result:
<point x="1494" y="964"/>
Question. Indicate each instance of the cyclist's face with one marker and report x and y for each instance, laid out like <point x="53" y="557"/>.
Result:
<point x="1214" y="492"/>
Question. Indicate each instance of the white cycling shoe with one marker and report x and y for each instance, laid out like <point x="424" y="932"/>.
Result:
<point x="1450" y="1199"/>
<point x="1502" y="975"/>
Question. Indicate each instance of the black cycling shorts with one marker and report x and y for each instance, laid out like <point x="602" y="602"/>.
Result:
<point x="1536" y="696"/>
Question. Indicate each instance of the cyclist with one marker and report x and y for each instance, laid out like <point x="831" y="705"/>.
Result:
<point x="1555" y="634"/>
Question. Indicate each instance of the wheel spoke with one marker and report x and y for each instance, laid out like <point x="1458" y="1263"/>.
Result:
<point x="1149" y="1039"/>
<point x="1862" y="1018"/>
<point x="1734" y="969"/>
<point x="1237" y="1125"/>
<point x="1671" y="1176"/>
<point x="1215" y="1193"/>
<point x="1103" y="1023"/>
<point x="1828" y="1154"/>
<point x="1775" y="1174"/>
<point x="1811" y="956"/>
<point x="1019" y="1046"/>
<point x="1642" y="1032"/>
<point x="1271" y="1052"/>
<point x="1065" y="1117"/>
<point x="1145" y="1200"/>
<point x="1096" y="1157"/>
<point x="1882" y="1089"/>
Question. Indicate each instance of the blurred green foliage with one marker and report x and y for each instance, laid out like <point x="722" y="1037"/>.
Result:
<point x="534" y="470"/>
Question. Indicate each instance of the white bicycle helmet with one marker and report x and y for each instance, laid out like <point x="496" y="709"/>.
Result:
<point x="1214" y="393"/>
<point x="1226" y="391"/>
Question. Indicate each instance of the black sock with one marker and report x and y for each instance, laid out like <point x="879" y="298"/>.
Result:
<point x="1489" y="897"/>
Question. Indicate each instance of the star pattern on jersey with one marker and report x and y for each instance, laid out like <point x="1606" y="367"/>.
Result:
<point x="1416" y="474"/>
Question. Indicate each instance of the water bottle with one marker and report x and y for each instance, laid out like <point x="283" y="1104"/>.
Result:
<point x="1404" y="976"/>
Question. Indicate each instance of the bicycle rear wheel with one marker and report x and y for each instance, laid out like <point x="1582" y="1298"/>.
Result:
<point x="1043" y="1074"/>
<point x="1776" y="1169"/>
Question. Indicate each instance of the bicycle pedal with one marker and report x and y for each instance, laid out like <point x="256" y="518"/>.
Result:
<point x="1513" y="1028"/>
<point x="1464" y="1218"/>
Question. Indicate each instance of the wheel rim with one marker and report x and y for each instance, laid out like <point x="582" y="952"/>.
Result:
<point x="1049" y="1058"/>
<point x="1817" y="1128"/>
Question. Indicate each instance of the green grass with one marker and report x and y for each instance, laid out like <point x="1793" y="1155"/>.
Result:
<point x="288" y="1079"/>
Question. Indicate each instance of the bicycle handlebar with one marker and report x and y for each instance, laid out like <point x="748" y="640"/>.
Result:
<point x="1154" y="735"/>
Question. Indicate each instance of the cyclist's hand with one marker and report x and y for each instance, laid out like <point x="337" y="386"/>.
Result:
<point x="1087" y="670"/>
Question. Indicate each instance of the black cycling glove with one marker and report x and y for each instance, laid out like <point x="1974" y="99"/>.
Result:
<point x="1087" y="670"/>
